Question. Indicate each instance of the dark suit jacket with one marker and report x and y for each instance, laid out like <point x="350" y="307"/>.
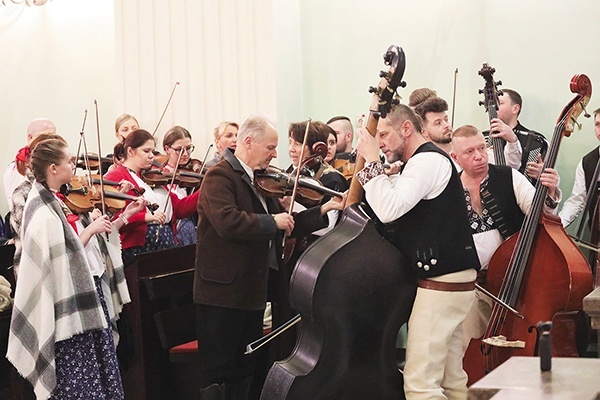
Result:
<point x="234" y="235"/>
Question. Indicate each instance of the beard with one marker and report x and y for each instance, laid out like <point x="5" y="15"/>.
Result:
<point x="443" y="139"/>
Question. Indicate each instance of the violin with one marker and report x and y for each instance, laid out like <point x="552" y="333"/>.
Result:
<point x="273" y="182"/>
<point x="157" y="177"/>
<point x="81" y="197"/>
<point x="193" y="165"/>
<point x="115" y="184"/>
<point x="93" y="161"/>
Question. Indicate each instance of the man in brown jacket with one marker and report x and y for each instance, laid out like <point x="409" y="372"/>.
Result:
<point x="239" y="246"/>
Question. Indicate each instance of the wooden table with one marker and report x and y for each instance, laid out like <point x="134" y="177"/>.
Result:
<point x="520" y="378"/>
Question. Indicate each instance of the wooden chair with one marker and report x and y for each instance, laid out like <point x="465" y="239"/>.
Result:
<point x="175" y="316"/>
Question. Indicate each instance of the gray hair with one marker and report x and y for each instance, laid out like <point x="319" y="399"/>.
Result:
<point x="254" y="127"/>
<point x="401" y="113"/>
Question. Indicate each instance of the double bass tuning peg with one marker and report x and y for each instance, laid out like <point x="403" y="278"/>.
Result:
<point x="388" y="57"/>
<point x="499" y="83"/>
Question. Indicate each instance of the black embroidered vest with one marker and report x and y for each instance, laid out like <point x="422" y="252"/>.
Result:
<point x="435" y="235"/>
<point x="501" y="201"/>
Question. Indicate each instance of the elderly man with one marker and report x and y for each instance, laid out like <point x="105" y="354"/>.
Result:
<point x="498" y="198"/>
<point x="12" y="177"/>
<point x="239" y="246"/>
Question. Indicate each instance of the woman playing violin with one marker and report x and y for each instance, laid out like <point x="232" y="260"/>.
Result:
<point x="146" y="231"/>
<point x="225" y="137"/>
<point x="330" y="178"/>
<point x="76" y="341"/>
<point x="177" y="144"/>
<point x="326" y="174"/>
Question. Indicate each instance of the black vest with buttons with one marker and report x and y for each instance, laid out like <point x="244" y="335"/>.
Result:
<point x="502" y="203"/>
<point x="435" y="235"/>
<point x="588" y="163"/>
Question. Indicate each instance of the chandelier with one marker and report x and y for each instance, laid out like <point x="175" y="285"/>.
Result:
<point x="29" y="3"/>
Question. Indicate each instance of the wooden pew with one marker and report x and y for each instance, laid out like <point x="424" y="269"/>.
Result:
<point x="146" y="377"/>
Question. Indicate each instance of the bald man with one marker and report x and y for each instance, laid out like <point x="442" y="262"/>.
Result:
<point x="12" y="177"/>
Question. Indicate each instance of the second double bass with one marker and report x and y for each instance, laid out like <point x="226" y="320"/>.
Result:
<point x="539" y="272"/>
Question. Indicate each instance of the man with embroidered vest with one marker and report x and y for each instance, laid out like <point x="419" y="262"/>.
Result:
<point x="584" y="176"/>
<point x="427" y="202"/>
<point x="239" y="246"/>
<point x="532" y="145"/>
<point x="498" y="198"/>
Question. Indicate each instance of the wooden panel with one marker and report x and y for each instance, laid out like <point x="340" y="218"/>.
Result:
<point x="145" y="378"/>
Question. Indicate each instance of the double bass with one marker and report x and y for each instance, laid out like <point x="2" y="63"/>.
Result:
<point x="539" y="272"/>
<point x="491" y="103"/>
<point x="353" y="291"/>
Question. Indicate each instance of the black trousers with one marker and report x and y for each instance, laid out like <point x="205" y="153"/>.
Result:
<point x="223" y="334"/>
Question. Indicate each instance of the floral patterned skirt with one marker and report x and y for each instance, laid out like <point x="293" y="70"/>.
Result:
<point x="158" y="237"/>
<point x="86" y="364"/>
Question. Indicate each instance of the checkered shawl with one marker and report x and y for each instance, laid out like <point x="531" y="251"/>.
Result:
<point x="55" y="296"/>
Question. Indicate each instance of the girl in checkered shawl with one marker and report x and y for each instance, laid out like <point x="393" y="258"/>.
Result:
<point x="60" y="338"/>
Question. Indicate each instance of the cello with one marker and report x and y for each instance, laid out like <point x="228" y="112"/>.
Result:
<point x="353" y="291"/>
<point x="539" y="272"/>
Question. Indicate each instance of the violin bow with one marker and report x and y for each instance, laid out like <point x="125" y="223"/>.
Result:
<point x="298" y="171"/>
<point x="99" y="163"/>
<point x="454" y="97"/>
<point x="166" y="107"/>
<point x="169" y="188"/>
<point x="203" y="164"/>
<point x="82" y="140"/>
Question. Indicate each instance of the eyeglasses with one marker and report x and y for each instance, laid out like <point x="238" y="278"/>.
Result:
<point x="188" y="149"/>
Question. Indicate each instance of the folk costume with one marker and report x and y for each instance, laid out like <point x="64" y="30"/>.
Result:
<point x="60" y="338"/>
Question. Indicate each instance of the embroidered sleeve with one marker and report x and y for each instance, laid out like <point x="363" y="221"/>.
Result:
<point x="370" y="171"/>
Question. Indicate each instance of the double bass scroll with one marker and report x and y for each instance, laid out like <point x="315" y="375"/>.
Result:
<point x="490" y="93"/>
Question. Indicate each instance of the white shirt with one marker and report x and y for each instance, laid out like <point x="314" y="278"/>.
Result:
<point x="424" y="177"/>
<point x="12" y="179"/>
<point x="576" y="201"/>
<point x="512" y="153"/>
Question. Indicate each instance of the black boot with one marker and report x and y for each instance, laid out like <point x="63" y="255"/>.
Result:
<point x="213" y="392"/>
<point x="238" y="390"/>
